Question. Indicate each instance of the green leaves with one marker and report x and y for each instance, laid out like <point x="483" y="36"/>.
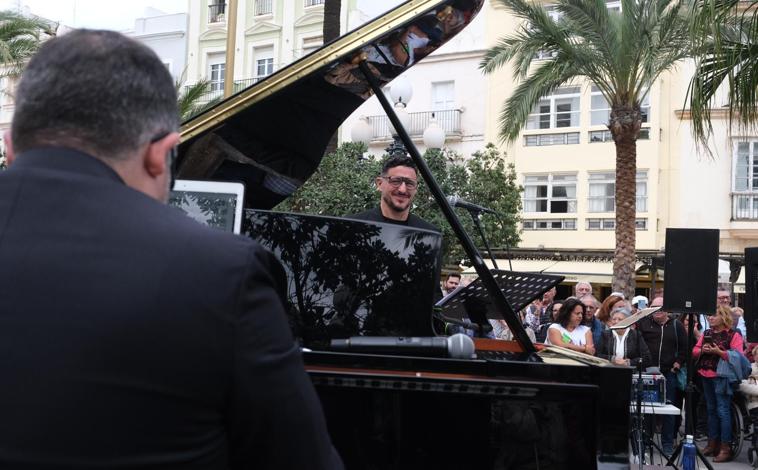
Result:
<point x="20" y="38"/>
<point x="344" y="184"/>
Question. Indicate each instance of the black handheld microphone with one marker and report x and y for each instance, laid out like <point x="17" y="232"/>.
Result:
<point x="458" y="346"/>
<point x="458" y="202"/>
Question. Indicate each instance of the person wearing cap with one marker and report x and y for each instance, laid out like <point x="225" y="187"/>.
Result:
<point x="636" y="303"/>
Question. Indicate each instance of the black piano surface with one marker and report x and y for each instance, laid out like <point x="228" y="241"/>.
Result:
<point x="545" y="411"/>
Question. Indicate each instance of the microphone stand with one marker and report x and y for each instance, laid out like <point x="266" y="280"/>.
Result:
<point x="475" y="215"/>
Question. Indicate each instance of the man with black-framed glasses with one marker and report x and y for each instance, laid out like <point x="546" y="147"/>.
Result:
<point x="398" y="185"/>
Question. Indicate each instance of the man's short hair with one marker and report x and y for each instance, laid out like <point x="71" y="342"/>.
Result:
<point x="453" y="275"/>
<point x="397" y="160"/>
<point x="94" y="91"/>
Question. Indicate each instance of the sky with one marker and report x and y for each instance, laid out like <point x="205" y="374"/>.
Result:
<point x="110" y="14"/>
<point x="120" y="14"/>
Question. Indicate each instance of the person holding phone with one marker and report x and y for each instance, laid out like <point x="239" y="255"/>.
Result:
<point x="711" y="347"/>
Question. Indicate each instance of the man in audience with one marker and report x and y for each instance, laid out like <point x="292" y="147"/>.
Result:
<point x="591" y="305"/>
<point x="667" y="342"/>
<point x="452" y="281"/>
<point x="582" y="288"/>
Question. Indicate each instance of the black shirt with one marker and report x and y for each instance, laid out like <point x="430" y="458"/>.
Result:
<point x="375" y="215"/>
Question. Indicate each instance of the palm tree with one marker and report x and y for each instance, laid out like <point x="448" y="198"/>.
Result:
<point x="622" y="53"/>
<point x="727" y="33"/>
<point x="20" y="38"/>
<point x="194" y="99"/>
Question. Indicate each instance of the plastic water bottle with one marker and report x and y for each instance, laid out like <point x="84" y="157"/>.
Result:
<point x="688" y="453"/>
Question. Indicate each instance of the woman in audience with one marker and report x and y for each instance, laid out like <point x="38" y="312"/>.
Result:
<point x="624" y="346"/>
<point x="568" y="331"/>
<point x="604" y="313"/>
<point x="712" y="347"/>
<point x="552" y="310"/>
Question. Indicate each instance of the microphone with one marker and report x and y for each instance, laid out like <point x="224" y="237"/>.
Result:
<point x="458" y="202"/>
<point x="458" y="346"/>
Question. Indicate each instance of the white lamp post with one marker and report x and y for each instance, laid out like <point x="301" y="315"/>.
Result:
<point x="434" y="135"/>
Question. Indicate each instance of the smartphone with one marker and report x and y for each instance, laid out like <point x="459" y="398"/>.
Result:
<point x="642" y="303"/>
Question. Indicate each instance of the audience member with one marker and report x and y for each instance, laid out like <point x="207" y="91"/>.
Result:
<point x="133" y="337"/>
<point x="667" y="342"/>
<point x="582" y="288"/>
<point x="553" y="309"/>
<point x="452" y="281"/>
<point x="604" y="313"/>
<point x="568" y="331"/>
<point x="638" y="303"/>
<point x="591" y="305"/>
<point x="712" y="347"/>
<point x="624" y="346"/>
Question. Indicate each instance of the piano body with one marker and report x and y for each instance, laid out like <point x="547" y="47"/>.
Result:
<point x="518" y="410"/>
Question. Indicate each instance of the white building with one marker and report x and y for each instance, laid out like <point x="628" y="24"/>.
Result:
<point x="166" y="34"/>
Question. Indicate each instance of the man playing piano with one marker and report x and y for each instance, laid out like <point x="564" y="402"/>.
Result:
<point x="397" y="184"/>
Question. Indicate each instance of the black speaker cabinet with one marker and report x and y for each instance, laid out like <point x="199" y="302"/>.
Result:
<point x="691" y="270"/>
<point x="751" y="293"/>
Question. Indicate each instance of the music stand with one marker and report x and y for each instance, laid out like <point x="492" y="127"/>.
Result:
<point x="640" y="438"/>
<point x="473" y="301"/>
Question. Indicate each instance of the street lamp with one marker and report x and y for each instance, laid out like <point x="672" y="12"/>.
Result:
<point x="434" y="135"/>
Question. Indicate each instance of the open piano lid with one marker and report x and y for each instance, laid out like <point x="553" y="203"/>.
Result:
<point x="272" y="135"/>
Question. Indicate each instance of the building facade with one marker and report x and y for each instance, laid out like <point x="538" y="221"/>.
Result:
<point x="167" y="36"/>
<point x="269" y="35"/>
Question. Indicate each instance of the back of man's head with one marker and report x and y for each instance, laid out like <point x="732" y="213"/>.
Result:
<point x="94" y="91"/>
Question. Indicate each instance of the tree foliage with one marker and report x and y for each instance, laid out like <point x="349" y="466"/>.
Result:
<point x="622" y="53"/>
<point x="344" y="185"/>
<point x="726" y="35"/>
<point x="20" y="39"/>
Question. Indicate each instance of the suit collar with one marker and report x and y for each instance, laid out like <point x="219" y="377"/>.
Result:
<point x="64" y="159"/>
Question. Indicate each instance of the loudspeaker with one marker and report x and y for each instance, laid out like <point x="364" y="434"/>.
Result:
<point x="751" y="293"/>
<point x="691" y="270"/>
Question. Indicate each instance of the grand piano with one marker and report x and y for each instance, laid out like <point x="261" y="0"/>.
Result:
<point x="516" y="406"/>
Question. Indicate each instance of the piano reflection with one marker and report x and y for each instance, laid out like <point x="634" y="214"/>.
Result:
<point x="513" y="407"/>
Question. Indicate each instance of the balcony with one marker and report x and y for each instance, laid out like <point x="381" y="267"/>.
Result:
<point x="447" y="119"/>
<point x="216" y="90"/>
<point x="263" y="7"/>
<point x="311" y="3"/>
<point x="745" y="206"/>
<point x="216" y="12"/>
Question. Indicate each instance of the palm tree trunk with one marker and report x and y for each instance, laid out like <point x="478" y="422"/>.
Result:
<point x="331" y="31"/>
<point x="625" y="127"/>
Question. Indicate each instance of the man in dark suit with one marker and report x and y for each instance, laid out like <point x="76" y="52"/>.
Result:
<point x="131" y="336"/>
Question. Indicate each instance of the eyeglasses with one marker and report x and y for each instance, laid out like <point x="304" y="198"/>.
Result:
<point x="396" y="181"/>
<point x="171" y="157"/>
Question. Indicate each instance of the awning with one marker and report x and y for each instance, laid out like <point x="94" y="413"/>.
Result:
<point x="600" y="272"/>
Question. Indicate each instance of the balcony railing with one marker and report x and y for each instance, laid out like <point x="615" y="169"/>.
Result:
<point x="447" y="119"/>
<point x="745" y="206"/>
<point x="263" y="7"/>
<point x="216" y="12"/>
<point x="216" y="90"/>
<point x="310" y="3"/>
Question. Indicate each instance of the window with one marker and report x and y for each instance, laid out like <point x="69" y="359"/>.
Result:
<point x="538" y="140"/>
<point x="610" y="224"/>
<point x="602" y="196"/>
<point x="216" y="10"/>
<point x="549" y="224"/>
<point x="745" y="181"/>
<point x="553" y="193"/>
<point x="443" y="95"/>
<point x="605" y="136"/>
<point x="310" y="3"/>
<point x="561" y="109"/>
<point x="216" y="70"/>
<point x="263" y="7"/>
<point x="264" y="62"/>
<point x="312" y="44"/>
<point x="602" y="192"/>
<point x="600" y="110"/>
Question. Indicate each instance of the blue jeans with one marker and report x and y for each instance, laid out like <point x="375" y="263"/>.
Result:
<point x="668" y="428"/>
<point x="719" y="416"/>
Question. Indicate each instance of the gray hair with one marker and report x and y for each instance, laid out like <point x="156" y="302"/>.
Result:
<point x="94" y="91"/>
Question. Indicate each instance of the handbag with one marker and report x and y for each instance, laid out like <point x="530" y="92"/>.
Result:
<point x="681" y="378"/>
